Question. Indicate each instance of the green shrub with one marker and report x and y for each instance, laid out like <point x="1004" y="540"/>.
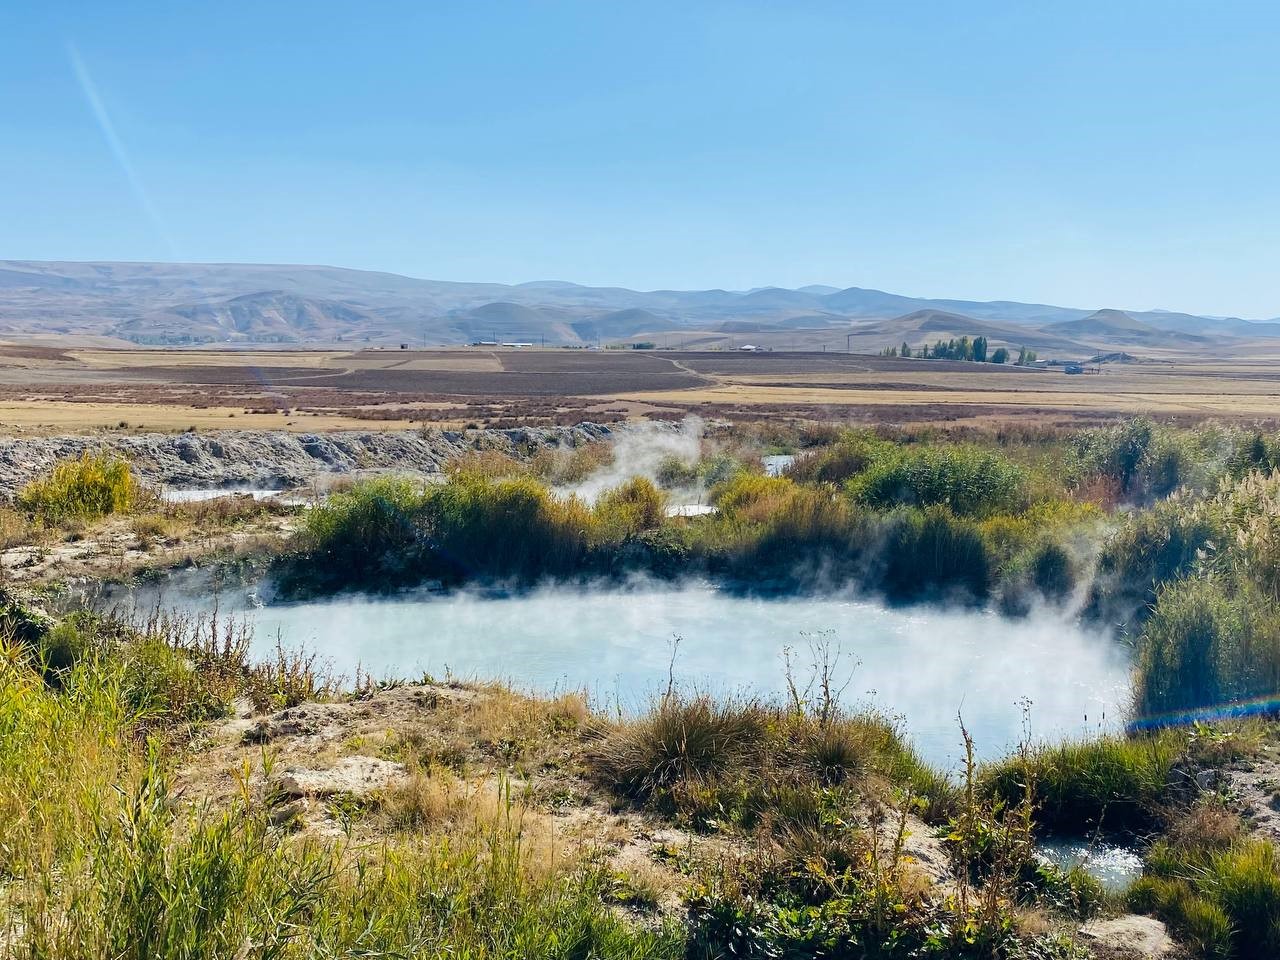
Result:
<point x="1115" y="451"/>
<point x="1152" y="548"/>
<point x="84" y="488"/>
<point x="513" y="527"/>
<point x="675" y="472"/>
<point x="837" y="463"/>
<point x="631" y="509"/>
<point x="361" y="531"/>
<point x="802" y="535"/>
<point x="1052" y="571"/>
<point x="968" y="480"/>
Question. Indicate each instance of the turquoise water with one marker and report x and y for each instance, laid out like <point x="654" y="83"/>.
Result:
<point x="928" y="666"/>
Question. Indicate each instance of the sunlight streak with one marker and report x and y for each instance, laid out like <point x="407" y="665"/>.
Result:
<point x="108" y="129"/>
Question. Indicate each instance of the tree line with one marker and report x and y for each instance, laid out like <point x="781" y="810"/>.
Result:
<point x="963" y="348"/>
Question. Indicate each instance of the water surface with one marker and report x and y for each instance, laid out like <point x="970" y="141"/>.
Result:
<point x="927" y="665"/>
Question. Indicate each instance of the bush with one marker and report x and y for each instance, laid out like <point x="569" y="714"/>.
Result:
<point x="364" y="532"/>
<point x="631" y="509"/>
<point x="1052" y="571"/>
<point x="85" y="488"/>
<point x="968" y="480"/>
<point x="837" y="463"/>
<point x="1116" y="451"/>
<point x="685" y="742"/>
<point x="804" y="534"/>
<point x="479" y="528"/>
<point x="1153" y="547"/>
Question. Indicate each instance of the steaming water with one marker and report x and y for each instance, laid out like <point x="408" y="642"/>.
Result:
<point x="775" y="465"/>
<point x="183" y="495"/>
<point x="925" y="665"/>
<point x="1115" y="867"/>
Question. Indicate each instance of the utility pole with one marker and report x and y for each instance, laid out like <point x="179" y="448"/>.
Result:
<point x="848" y="343"/>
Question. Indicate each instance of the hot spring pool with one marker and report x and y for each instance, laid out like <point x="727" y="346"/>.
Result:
<point x="925" y="665"/>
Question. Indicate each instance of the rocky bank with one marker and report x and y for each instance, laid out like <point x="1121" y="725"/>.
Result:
<point x="272" y="459"/>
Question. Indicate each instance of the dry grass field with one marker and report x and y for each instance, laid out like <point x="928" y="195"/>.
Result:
<point x="54" y="389"/>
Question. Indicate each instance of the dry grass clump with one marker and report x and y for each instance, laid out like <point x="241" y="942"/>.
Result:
<point x="493" y="727"/>
<point x="567" y="465"/>
<point x="485" y="463"/>
<point x="16" y="528"/>
<point x="738" y="762"/>
<point x="684" y="742"/>
<point x="435" y="799"/>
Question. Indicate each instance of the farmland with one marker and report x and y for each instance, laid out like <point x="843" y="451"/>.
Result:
<point x="56" y="389"/>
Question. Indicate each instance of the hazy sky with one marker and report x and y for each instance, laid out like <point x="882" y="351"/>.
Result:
<point x="1124" y="153"/>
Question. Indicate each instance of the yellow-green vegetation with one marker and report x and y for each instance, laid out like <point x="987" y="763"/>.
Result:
<point x="1217" y="888"/>
<point x="830" y="800"/>
<point x="717" y="763"/>
<point x="85" y="488"/>
<point x="1209" y="642"/>
<point x="101" y="858"/>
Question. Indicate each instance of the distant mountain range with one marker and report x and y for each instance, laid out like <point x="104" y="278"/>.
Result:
<point x="153" y="303"/>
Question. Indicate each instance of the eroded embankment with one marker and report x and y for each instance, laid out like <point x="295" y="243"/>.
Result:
<point x="279" y="459"/>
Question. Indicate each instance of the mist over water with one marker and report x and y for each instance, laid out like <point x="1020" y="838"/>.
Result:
<point x="923" y="664"/>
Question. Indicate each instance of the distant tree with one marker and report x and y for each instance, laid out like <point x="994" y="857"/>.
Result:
<point x="1026" y="357"/>
<point x="905" y="349"/>
<point x="1001" y="355"/>
<point x="980" y="349"/>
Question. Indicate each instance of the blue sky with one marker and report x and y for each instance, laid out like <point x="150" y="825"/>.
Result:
<point x="1091" y="154"/>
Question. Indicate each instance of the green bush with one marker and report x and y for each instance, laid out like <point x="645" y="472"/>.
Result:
<point x="1116" y="451"/>
<point x="367" y="528"/>
<point x="969" y="481"/>
<point x="1152" y="548"/>
<point x="84" y="488"/>
<point x="631" y="509"/>
<point x="839" y="462"/>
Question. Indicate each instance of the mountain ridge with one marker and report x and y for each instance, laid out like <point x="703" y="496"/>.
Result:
<point x="146" y="301"/>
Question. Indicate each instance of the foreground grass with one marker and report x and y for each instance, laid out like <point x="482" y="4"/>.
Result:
<point x="100" y="858"/>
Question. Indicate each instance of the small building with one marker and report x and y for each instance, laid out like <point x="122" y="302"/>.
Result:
<point x="516" y="343"/>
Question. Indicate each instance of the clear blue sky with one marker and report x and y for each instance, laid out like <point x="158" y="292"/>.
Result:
<point x="1124" y="153"/>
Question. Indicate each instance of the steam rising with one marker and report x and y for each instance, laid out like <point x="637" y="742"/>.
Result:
<point x="926" y="664"/>
<point x="639" y="451"/>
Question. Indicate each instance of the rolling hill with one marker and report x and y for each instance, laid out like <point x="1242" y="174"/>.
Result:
<point x="299" y="304"/>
